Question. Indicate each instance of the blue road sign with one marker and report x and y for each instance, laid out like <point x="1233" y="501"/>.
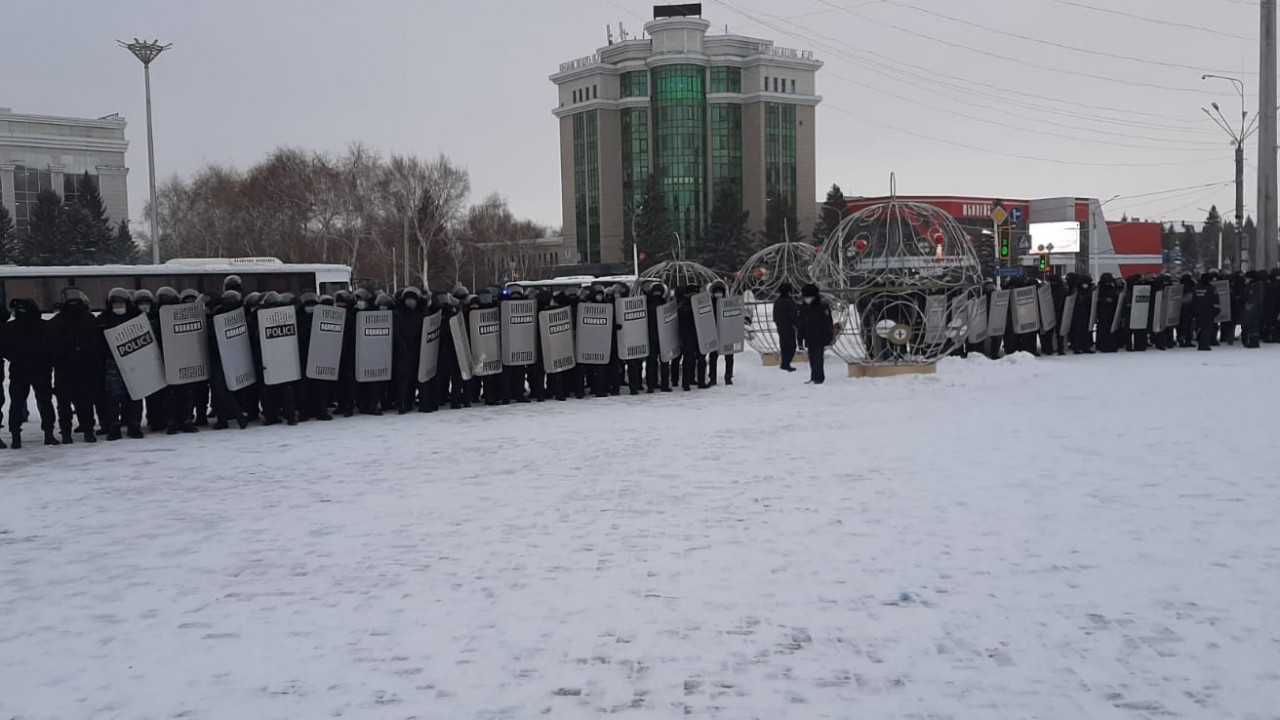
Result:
<point x="1015" y="215"/>
<point x="1008" y="272"/>
<point x="1024" y="242"/>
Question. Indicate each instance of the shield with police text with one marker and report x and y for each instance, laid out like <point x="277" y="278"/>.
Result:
<point x="731" y="324"/>
<point x="669" y="331"/>
<point x="998" y="318"/>
<point x="704" y="323"/>
<point x="935" y="319"/>
<point x="235" y="349"/>
<point x="1224" y="300"/>
<point x="1068" y="315"/>
<point x="978" y="319"/>
<point x="595" y="333"/>
<point x="374" y="345"/>
<point x="429" y="350"/>
<point x="1139" y="309"/>
<point x="519" y="332"/>
<point x="632" y="313"/>
<point x="461" y="344"/>
<point x="1160" y="311"/>
<point x="185" y="342"/>
<point x="1173" y="299"/>
<point x="324" y="350"/>
<point x="1026" y="311"/>
<point x="486" y="341"/>
<point x="556" y="329"/>
<point x="137" y="355"/>
<point x="1048" y="316"/>
<point x="278" y="337"/>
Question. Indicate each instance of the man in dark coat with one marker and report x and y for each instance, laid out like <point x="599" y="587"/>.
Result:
<point x="407" y="340"/>
<point x="1080" y="335"/>
<point x="226" y="404"/>
<point x="786" y="316"/>
<point x="77" y="363"/>
<point x="1186" y="317"/>
<point x="689" y="356"/>
<point x="1239" y="291"/>
<point x="25" y="342"/>
<point x="118" y="409"/>
<point x="816" y="327"/>
<point x="1204" y="303"/>
<point x="657" y="374"/>
<point x="1254" y="304"/>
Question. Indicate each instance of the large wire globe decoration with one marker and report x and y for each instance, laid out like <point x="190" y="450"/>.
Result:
<point x="676" y="274"/>
<point x="909" y="276"/>
<point x="758" y="282"/>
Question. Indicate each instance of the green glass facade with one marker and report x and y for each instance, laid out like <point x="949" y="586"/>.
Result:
<point x="679" y="134"/>
<point x="726" y="148"/>
<point x="780" y="151"/>
<point x="635" y="162"/>
<point x="726" y="80"/>
<point x="634" y="84"/>
<point x="586" y="184"/>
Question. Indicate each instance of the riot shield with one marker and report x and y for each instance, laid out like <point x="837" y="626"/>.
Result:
<point x="1068" y="315"/>
<point x="486" y="341"/>
<point x="632" y="313"/>
<point x="133" y="345"/>
<point x="978" y="320"/>
<point x="461" y="345"/>
<point x="556" y="329"/>
<point x="278" y="337"/>
<point x="1173" y="297"/>
<point x="1139" y="310"/>
<point x="185" y="343"/>
<point x="1118" y="319"/>
<point x="669" y="331"/>
<point x="998" y="318"/>
<point x="1160" y="310"/>
<point x="324" y="351"/>
<point x="231" y="334"/>
<point x="375" y="346"/>
<point x="704" y="323"/>
<point x="429" y="350"/>
<point x="595" y="333"/>
<point x="1093" y="310"/>
<point x="1026" y="313"/>
<point x="1048" y="316"/>
<point x="1224" y="300"/>
<point x="519" y="332"/>
<point x="958" y="319"/>
<point x="935" y="319"/>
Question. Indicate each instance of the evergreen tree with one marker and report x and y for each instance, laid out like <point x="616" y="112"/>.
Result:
<point x="1210" y="234"/>
<point x="77" y="236"/>
<point x="121" y="249"/>
<point x="1192" y="250"/>
<point x="652" y="223"/>
<point x="10" y="249"/>
<point x="834" y="208"/>
<point x="100" y="236"/>
<point x="780" y="223"/>
<point x="44" y="246"/>
<point x="727" y="242"/>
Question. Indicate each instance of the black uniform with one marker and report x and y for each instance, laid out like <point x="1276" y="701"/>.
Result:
<point x="657" y="374"/>
<point x="407" y="341"/>
<point x="816" y="329"/>
<point x="718" y="291"/>
<point x="77" y="366"/>
<point x="1052" y="341"/>
<point x="1080" y="335"/>
<point x="118" y="409"/>
<point x="25" y="342"/>
<point x="1204" y="303"/>
<point x="785" y="318"/>
<point x="1254" y="306"/>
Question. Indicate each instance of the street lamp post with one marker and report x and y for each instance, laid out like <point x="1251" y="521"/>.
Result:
<point x="146" y="51"/>
<point x="1238" y="137"/>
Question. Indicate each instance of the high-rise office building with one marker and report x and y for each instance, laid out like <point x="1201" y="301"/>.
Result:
<point x="704" y="114"/>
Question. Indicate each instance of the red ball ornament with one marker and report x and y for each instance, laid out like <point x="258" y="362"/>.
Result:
<point x="759" y="272"/>
<point x="860" y="245"/>
<point x="939" y="239"/>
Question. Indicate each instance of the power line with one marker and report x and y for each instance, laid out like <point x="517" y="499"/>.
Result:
<point x="1173" y="190"/>
<point x="1051" y="43"/>
<point x="1156" y="21"/>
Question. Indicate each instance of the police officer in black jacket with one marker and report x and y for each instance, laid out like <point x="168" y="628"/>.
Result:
<point x="1254" y="304"/>
<point x="118" y="409"/>
<point x="25" y="342"/>
<point x="657" y="374"/>
<point x="786" y="316"/>
<point x="407" y="341"/>
<point x="77" y="363"/>
<point x="1204" y="303"/>
<point x="816" y="327"/>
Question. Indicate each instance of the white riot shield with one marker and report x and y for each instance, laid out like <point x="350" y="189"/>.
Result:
<point x="1224" y="300"/>
<point x="1048" y="316"/>
<point x="998" y="317"/>
<point x="1173" y="299"/>
<point x="231" y="335"/>
<point x="595" y="333"/>
<point x="486" y="341"/>
<point x="133" y="345"/>
<point x="185" y="343"/>
<point x="375" y="345"/>
<point x="1160" y="310"/>
<point x="429" y="350"/>
<point x="632" y="313"/>
<point x="704" y="323"/>
<point x="669" y="331"/>
<point x="935" y="319"/>
<point x="731" y="325"/>
<point x="1139" y="311"/>
<point x="1118" y="319"/>
<point x="556" y="329"/>
<point x="461" y="345"/>
<point x="324" y="350"/>
<point x="519" y="332"/>
<point x="1068" y="315"/>
<point x="958" y="319"/>
<point x="1093" y="310"/>
<point x="278" y="337"/>
<point x="978" y="319"/>
<point x="1026" y="313"/>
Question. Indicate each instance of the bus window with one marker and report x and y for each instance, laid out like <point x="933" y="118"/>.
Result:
<point x="331" y="288"/>
<point x="45" y="291"/>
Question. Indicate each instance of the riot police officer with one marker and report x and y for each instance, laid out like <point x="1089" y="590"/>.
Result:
<point x="718" y="292"/>
<point x="657" y="374"/>
<point x="407" y="347"/>
<point x="1204" y="303"/>
<point x="77" y="363"/>
<point x="226" y="404"/>
<point x="25" y="342"/>
<point x="118" y="409"/>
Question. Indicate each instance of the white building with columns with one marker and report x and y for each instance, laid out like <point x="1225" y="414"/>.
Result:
<point x="43" y="152"/>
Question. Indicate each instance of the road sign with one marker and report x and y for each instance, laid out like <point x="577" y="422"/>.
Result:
<point x="1008" y="272"/>
<point x="1015" y="215"/>
<point x="999" y="215"/>
<point x="1024" y="242"/>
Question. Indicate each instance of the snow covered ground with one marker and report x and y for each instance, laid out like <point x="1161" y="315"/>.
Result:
<point x="1060" y="538"/>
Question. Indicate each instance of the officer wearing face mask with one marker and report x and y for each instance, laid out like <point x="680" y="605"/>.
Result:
<point x="197" y="392"/>
<point x="718" y="291"/>
<point x="25" y="342"/>
<point x="160" y="402"/>
<point x="226" y="404"/>
<point x="346" y="390"/>
<point x="657" y="374"/>
<point x="816" y="326"/>
<point x="407" y="339"/>
<point x="77" y="363"/>
<point x="118" y="410"/>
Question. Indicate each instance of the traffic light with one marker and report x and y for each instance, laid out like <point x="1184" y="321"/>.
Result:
<point x="1004" y="245"/>
<point x="1044" y="263"/>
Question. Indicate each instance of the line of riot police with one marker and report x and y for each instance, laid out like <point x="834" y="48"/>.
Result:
<point x="176" y="360"/>
<point x="1071" y="313"/>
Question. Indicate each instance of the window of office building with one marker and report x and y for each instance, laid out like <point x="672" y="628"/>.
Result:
<point x="635" y="84"/>
<point x="635" y="162"/>
<point x="726" y="149"/>
<point x="679" y="135"/>
<point x="27" y="184"/>
<point x="586" y="184"/>
<point x="726" y="80"/>
<point x="780" y="151"/>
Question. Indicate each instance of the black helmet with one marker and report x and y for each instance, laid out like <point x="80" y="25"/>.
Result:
<point x="325" y="300"/>
<point x="515" y="292"/>
<point x="411" y="292"/>
<point x="252" y="300"/>
<point x="384" y="301"/>
<point x="308" y="298"/>
<point x="189" y="296"/>
<point x="271" y="299"/>
<point x="117" y="293"/>
<point x="287" y="299"/>
<point x="809" y="290"/>
<point x="230" y="298"/>
<point x="143" y="296"/>
<point x="167" y="296"/>
<point x="344" y="297"/>
<point x="232" y="282"/>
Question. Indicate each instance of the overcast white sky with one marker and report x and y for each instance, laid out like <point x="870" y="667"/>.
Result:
<point x="469" y="79"/>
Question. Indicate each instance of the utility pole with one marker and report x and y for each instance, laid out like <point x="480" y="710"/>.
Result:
<point x="1266" y="251"/>
<point x="146" y="51"/>
<point x="1238" y="137"/>
<point x="407" y="205"/>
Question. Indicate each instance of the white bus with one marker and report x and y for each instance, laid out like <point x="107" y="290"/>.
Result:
<point x="45" y="284"/>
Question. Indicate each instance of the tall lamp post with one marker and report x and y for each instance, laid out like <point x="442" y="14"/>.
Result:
<point x="1238" y="137"/>
<point x="146" y="51"/>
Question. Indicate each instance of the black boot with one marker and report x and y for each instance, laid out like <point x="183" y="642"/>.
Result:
<point x="90" y="436"/>
<point x="17" y="439"/>
<point x="68" y="439"/>
<point x="49" y="439"/>
<point x="114" y="434"/>
<point x="135" y="432"/>
<point x="2" y="445"/>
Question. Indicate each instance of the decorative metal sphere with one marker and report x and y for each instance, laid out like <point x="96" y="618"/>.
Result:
<point x="676" y="274"/>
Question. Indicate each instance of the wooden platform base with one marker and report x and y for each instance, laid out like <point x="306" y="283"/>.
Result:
<point x="882" y="371"/>
<point x="774" y="359"/>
